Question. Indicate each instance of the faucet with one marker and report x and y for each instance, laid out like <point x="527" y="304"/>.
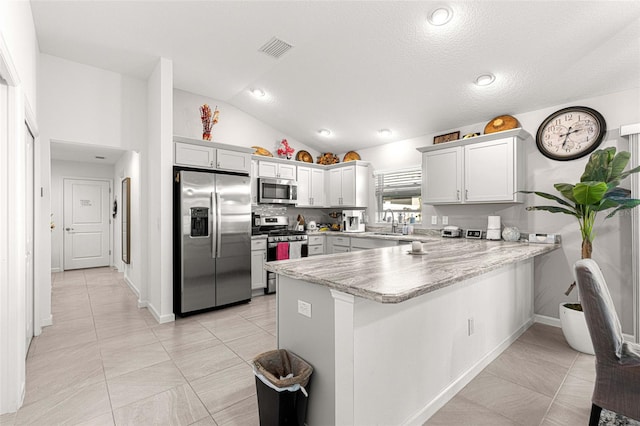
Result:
<point x="393" y="222"/>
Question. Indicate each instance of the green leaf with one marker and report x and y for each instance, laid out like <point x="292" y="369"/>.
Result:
<point x="549" y="197"/>
<point x="588" y="193"/>
<point x="618" y="164"/>
<point x="598" y="168"/>
<point x="629" y="172"/>
<point x="626" y="205"/>
<point x="553" y="209"/>
<point x="566" y="189"/>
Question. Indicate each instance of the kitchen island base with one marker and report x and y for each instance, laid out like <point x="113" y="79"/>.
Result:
<point x="398" y="363"/>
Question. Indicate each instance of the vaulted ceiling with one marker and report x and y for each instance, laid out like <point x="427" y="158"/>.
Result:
<point x="357" y="66"/>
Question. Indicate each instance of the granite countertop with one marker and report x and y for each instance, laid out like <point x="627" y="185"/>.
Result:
<point x="392" y="275"/>
<point x="428" y="235"/>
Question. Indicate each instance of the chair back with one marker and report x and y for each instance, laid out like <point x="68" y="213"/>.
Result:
<point x="602" y="320"/>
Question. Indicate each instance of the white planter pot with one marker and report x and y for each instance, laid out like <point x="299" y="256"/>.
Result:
<point x="574" y="328"/>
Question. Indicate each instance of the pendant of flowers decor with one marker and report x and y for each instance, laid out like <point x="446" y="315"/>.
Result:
<point x="209" y="119"/>
<point x="285" y="150"/>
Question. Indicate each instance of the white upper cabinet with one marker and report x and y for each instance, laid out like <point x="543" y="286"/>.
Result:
<point x="211" y="155"/>
<point x="485" y="169"/>
<point x="233" y="161"/>
<point x="348" y="185"/>
<point x="272" y="169"/>
<point x="311" y="187"/>
<point x="254" y="182"/>
<point x="442" y="176"/>
<point x="195" y="155"/>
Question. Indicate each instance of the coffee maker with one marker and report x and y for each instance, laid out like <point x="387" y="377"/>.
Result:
<point x="353" y="221"/>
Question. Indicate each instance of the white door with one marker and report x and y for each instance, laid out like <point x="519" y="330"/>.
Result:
<point x="494" y="183"/>
<point x="442" y="176"/>
<point x="29" y="282"/>
<point x="86" y="223"/>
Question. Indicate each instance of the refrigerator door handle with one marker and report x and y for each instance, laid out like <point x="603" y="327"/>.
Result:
<point x="218" y="225"/>
<point x="214" y="227"/>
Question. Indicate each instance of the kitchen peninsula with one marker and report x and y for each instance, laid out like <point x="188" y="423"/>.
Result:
<point x="393" y="336"/>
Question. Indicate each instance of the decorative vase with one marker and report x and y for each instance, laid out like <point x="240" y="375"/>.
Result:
<point x="511" y="233"/>
<point x="206" y="136"/>
<point x="574" y="328"/>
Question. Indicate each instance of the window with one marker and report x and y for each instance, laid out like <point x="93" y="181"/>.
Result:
<point x="400" y="192"/>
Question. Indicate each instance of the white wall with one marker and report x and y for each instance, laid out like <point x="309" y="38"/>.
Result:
<point x="18" y="67"/>
<point x="235" y="127"/>
<point x="59" y="171"/>
<point x="612" y="247"/>
<point x="129" y="166"/>
<point x="157" y="160"/>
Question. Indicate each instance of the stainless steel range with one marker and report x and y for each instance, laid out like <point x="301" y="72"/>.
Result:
<point x="282" y="242"/>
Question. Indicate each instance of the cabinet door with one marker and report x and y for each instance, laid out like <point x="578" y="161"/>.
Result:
<point x="304" y="186"/>
<point x="233" y="161"/>
<point x="349" y="186"/>
<point x="316" y="250"/>
<point x="267" y="169"/>
<point x="442" y="176"/>
<point x="254" y="183"/>
<point x="287" y="171"/>
<point x="341" y="249"/>
<point x="317" y="187"/>
<point x="335" y="187"/>
<point x="489" y="171"/>
<point x="258" y="274"/>
<point x="195" y="155"/>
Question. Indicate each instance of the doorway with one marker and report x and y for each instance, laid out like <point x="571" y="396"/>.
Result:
<point x="29" y="140"/>
<point x="86" y="223"/>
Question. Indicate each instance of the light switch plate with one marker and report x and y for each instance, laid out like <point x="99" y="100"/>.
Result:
<point x="434" y="220"/>
<point x="445" y="220"/>
<point x="304" y="308"/>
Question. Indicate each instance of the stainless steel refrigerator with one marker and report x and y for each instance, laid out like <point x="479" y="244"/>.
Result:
<point x="212" y="240"/>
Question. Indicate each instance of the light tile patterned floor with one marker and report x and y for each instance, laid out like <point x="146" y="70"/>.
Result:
<point x="106" y="362"/>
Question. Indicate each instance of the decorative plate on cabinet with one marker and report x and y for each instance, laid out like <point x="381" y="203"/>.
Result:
<point x="261" y="151"/>
<point x="501" y="123"/>
<point x="351" y="156"/>
<point x="304" y="156"/>
<point x="328" y="158"/>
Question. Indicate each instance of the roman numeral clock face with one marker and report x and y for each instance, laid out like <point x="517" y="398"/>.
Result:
<point x="571" y="133"/>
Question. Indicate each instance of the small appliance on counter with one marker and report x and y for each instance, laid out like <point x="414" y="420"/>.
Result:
<point x="451" y="232"/>
<point x="352" y="221"/>
<point x="494" y="231"/>
<point x="311" y="225"/>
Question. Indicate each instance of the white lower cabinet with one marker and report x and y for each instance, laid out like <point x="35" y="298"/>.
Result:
<point x="338" y="244"/>
<point x="258" y="258"/>
<point x="358" y="244"/>
<point x="316" y="245"/>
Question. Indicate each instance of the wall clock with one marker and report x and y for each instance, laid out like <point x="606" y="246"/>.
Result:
<point x="571" y="133"/>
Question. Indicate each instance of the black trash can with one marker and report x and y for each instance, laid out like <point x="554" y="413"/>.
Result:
<point x="282" y="385"/>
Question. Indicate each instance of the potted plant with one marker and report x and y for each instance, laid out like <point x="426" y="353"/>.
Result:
<point x="597" y="191"/>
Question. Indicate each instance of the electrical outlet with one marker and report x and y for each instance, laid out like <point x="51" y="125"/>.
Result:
<point x="470" y="326"/>
<point x="445" y="220"/>
<point x="434" y="220"/>
<point x="304" y="308"/>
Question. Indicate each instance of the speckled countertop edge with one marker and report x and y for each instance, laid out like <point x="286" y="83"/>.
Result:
<point x="391" y="275"/>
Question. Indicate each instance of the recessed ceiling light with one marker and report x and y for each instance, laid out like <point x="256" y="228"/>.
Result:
<point x="440" y="16"/>
<point x="324" y="132"/>
<point x="485" y="79"/>
<point x="258" y="93"/>
<point x="385" y="133"/>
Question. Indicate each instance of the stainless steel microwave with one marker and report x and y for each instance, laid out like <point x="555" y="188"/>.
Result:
<point x="277" y="191"/>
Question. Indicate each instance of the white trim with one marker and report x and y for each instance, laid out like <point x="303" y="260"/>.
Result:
<point x="53" y="270"/>
<point x="162" y="319"/>
<point x="632" y="132"/>
<point x="8" y="70"/>
<point x="542" y="319"/>
<point x="46" y="322"/>
<point x="344" y="371"/>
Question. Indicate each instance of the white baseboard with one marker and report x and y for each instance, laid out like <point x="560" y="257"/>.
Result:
<point x="543" y="319"/>
<point x="55" y="270"/>
<point x="160" y="318"/>
<point x="132" y="287"/>
<point x="555" y="322"/>
<point x="446" y="395"/>
<point x="46" y="322"/>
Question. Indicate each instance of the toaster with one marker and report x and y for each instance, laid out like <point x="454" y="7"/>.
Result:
<point x="451" y="232"/>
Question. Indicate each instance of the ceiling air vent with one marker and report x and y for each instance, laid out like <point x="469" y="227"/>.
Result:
<point x="275" y="47"/>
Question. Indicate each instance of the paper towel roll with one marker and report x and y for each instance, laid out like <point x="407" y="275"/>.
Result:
<point x="494" y="222"/>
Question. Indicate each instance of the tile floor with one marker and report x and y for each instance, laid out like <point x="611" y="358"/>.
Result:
<point x="105" y="362"/>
